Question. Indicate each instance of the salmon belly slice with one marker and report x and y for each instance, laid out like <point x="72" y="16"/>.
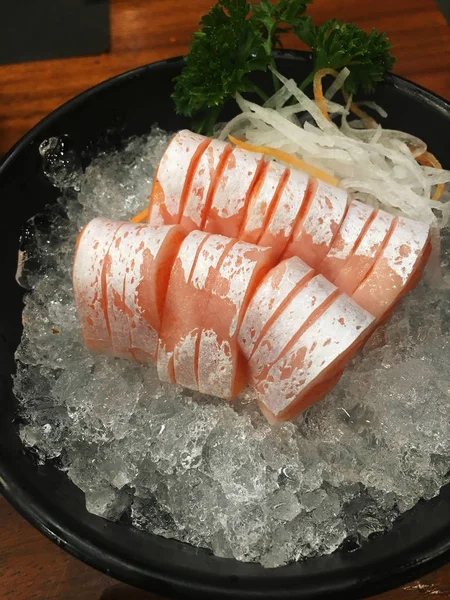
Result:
<point x="261" y="201"/>
<point x="233" y="192"/>
<point x="117" y="307"/>
<point x="314" y="234"/>
<point x="269" y="299"/>
<point x="397" y="268"/>
<point x="173" y="176"/>
<point x="289" y="205"/>
<point x="357" y="220"/>
<point x="135" y="266"/>
<point x="140" y="261"/>
<point x="89" y="284"/>
<point x="300" y="312"/>
<point x="203" y="274"/>
<point x="182" y="307"/>
<point x="304" y="373"/>
<point x="363" y="258"/>
<point x="202" y="188"/>
<point x="222" y="368"/>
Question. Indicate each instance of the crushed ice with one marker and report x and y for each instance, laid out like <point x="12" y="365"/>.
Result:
<point x="201" y="470"/>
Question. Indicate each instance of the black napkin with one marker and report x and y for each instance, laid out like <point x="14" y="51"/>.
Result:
<point x="43" y="29"/>
<point x="444" y="5"/>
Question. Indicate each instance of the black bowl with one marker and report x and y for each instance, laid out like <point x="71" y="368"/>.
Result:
<point x="102" y="118"/>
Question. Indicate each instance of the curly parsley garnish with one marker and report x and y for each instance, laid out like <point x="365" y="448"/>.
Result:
<point x="236" y="38"/>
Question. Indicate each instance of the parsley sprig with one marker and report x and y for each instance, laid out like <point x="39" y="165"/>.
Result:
<point x="337" y="45"/>
<point x="236" y="38"/>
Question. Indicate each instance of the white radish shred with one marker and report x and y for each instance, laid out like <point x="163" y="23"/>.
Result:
<point x="279" y="99"/>
<point x="231" y="125"/>
<point x="337" y="84"/>
<point x="375" y="165"/>
<point x="374" y="106"/>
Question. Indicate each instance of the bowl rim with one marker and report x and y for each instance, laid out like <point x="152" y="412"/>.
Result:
<point x="419" y="561"/>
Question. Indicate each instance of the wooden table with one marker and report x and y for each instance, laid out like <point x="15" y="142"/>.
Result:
<point x="31" y="567"/>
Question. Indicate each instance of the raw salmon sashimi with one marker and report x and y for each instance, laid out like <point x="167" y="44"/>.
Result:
<point x="357" y="219"/>
<point x="260" y="203"/>
<point x="397" y="268"/>
<point x="211" y="282"/>
<point x="139" y="265"/>
<point x="289" y="207"/>
<point x="365" y="253"/>
<point x="313" y="235"/>
<point x="89" y="283"/>
<point x="233" y="192"/>
<point x="217" y="312"/>
<point x="117" y="275"/>
<point x="314" y="360"/>
<point x="204" y="182"/>
<point x="173" y="177"/>
<point x="203" y="274"/>
<point x="135" y="264"/>
<point x="183" y="309"/>
<point x="221" y="313"/>
<point x="222" y="368"/>
<point x="207" y="184"/>
<point x="303" y="308"/>
<point x="237" y="194"/>
<point x="269" y="299"/>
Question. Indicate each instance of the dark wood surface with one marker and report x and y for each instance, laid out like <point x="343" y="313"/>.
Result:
<point x="31" y="567"/>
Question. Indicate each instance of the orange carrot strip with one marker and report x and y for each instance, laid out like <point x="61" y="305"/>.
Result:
<point x="429" y="160"/>
<point x="318" y="90"/>
<point x="142" y="216"/>
<point x="285" y="157"/>
<point x="320" y="99"/>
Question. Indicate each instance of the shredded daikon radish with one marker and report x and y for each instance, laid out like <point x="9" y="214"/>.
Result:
<point x="286" y="111"/>
<point x="436" y="176"/>
<point x="374" y="106"/>
<point x="272" y="117"/>
<point x="334" y="108"/>
<point x="308" y="104"/>
<point x="337" y="84"/>
<point x="375" y="165"/>
<point x="377" y="135"/>
<point x="231" y="125"/>
<point x="279" y="99"/>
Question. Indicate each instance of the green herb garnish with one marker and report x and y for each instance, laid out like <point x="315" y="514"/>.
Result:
<point x="271" y="17"/>
<point x="236" y="38"/>
<point x="337" y="45"/>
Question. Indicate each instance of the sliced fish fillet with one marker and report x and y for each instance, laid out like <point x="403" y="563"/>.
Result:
<point x="128" y="288"/>
<point x="182" y="302"/>
<point x="274" y="291"/>
<point x="314" y="363"/>
<point x="89" y="283"/>
<point x="221" y="366"/>
<point x="300" y="312"/>
<point x="201" y="282"/>
<point x="261" y="202"/>
<point x="217" y="313"/>
<point x="138" y="271"/>
<point x="234" y="188"/>
<point x="397" y="268"/>
<point x="173" y="177"/>
<point x="364" y="255"/>
<point x="314" y="234"/>
<point x="356" y="220"/>
<point x="201" y="192"/>
<point x="280" y="225"/>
